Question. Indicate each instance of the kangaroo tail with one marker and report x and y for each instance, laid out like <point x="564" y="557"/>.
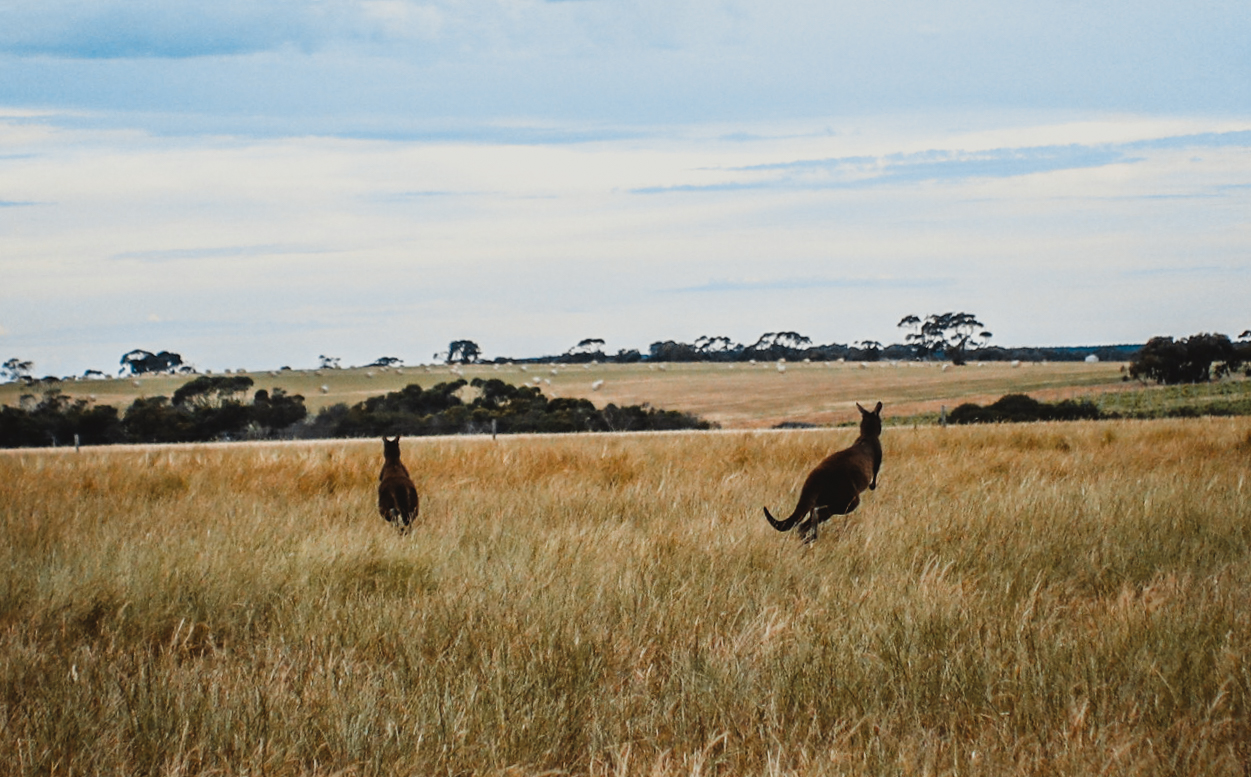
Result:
<point x="788" y="523"/>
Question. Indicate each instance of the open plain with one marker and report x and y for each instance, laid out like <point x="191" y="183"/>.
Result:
<point x="1038" y="599"/>
<point x="736" y="395"/>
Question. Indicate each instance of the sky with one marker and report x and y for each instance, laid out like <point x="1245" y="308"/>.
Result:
<point x="256" y="184"/>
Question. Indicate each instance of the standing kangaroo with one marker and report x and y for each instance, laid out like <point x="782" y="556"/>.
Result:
<point x="397" y="496"/>
<point x="834" y="487"/>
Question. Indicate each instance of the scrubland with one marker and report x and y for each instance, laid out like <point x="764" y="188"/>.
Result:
<point x="1045" y="599"/>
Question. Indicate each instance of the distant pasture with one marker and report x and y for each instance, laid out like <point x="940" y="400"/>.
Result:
<point x="735" y="395"/>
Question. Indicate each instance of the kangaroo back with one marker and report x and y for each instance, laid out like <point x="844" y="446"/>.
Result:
<point x="398" y="502"/>
<point x="835" y="485"/>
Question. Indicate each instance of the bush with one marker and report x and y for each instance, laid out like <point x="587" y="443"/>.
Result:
<point x="1020" y="408"/>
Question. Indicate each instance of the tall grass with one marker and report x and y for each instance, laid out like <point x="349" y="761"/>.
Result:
<point x="1043" y="599"/>
<point x="1231" y="396"/>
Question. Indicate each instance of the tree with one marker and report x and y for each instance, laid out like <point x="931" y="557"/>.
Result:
<point x="945" y="334"/>
<point x="671" y="351"/>
<point x="211" y="390"/>
<point x="328" y="362"/>
<point x="16" y="369"/>
<point x="386" y="361"/>
<point x="154" y="420"/>
<point x="872" y="350"/>
<point x="277" y="410"/>
<point x="58" y="419"/>
<point x="140" y="362"/>
<point x="586" y="350"/>
<point x="777" y="345"/>
<point x="1194" y="359"/>
<point x="787" y="340"/>
<point x="589" y="345"/>
<point x="463" y="352"/>
<point x="716" y="348"/>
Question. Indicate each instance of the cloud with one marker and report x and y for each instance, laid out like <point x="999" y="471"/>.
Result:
<point x="948" y="164"/>
<point x="217" y="252"/>
<point x="302" y="246"/>
<point x="933" y="165"/>
<point x="1182" y="271"/>
<point x="113" y="29"/>
<point x="794" y="284"/>
<point x="1234" y="139"/>
<point x="640" y="59"/>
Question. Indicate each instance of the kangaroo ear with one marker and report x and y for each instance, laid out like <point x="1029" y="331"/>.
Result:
<point x="861" y="409"/>
<point x="877" y="409"/>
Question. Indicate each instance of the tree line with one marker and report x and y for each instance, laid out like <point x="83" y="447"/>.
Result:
<point x="498" y="407"/>
<point x="954" y="336"/>
<point x="206" y="408"/>
<point x="212" y="408"/>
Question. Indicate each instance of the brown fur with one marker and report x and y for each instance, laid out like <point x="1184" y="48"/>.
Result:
<point x="397" y="496"/>
<point x="834" y="487"/>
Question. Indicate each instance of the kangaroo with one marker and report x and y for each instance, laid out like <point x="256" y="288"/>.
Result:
<point x="397" y="496"/>
<point x="834" y="487"/>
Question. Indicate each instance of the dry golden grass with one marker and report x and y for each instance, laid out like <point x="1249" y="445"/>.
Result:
<point x="1045" y="599"/>
<point x="737" y="396"/>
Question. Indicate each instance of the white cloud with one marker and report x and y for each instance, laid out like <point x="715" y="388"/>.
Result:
<point x="271" y="251"/>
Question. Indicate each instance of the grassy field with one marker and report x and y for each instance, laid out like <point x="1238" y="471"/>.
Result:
<point x="1046" y="599"/>
<point x="737" y="396"/>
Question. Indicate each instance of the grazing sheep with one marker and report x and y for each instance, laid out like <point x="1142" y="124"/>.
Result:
<point x="397" y="496"/>
<point x="834" y="487"/>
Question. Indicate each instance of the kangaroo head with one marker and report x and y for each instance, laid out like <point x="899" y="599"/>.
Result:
<point x="391" y="449"/>
<point x="870" y="421"/>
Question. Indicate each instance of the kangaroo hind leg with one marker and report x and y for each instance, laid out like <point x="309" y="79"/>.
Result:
<point x="808" y="529"/>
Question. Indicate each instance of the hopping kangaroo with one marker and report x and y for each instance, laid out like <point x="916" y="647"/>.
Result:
<point x="397" y="496"/>
<point x="834" y="487"/>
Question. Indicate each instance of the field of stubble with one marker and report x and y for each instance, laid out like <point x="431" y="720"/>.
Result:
<point x="1046" y="599"/>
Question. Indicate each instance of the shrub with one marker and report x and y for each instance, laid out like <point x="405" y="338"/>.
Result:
<point x="1020" y="408"/>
